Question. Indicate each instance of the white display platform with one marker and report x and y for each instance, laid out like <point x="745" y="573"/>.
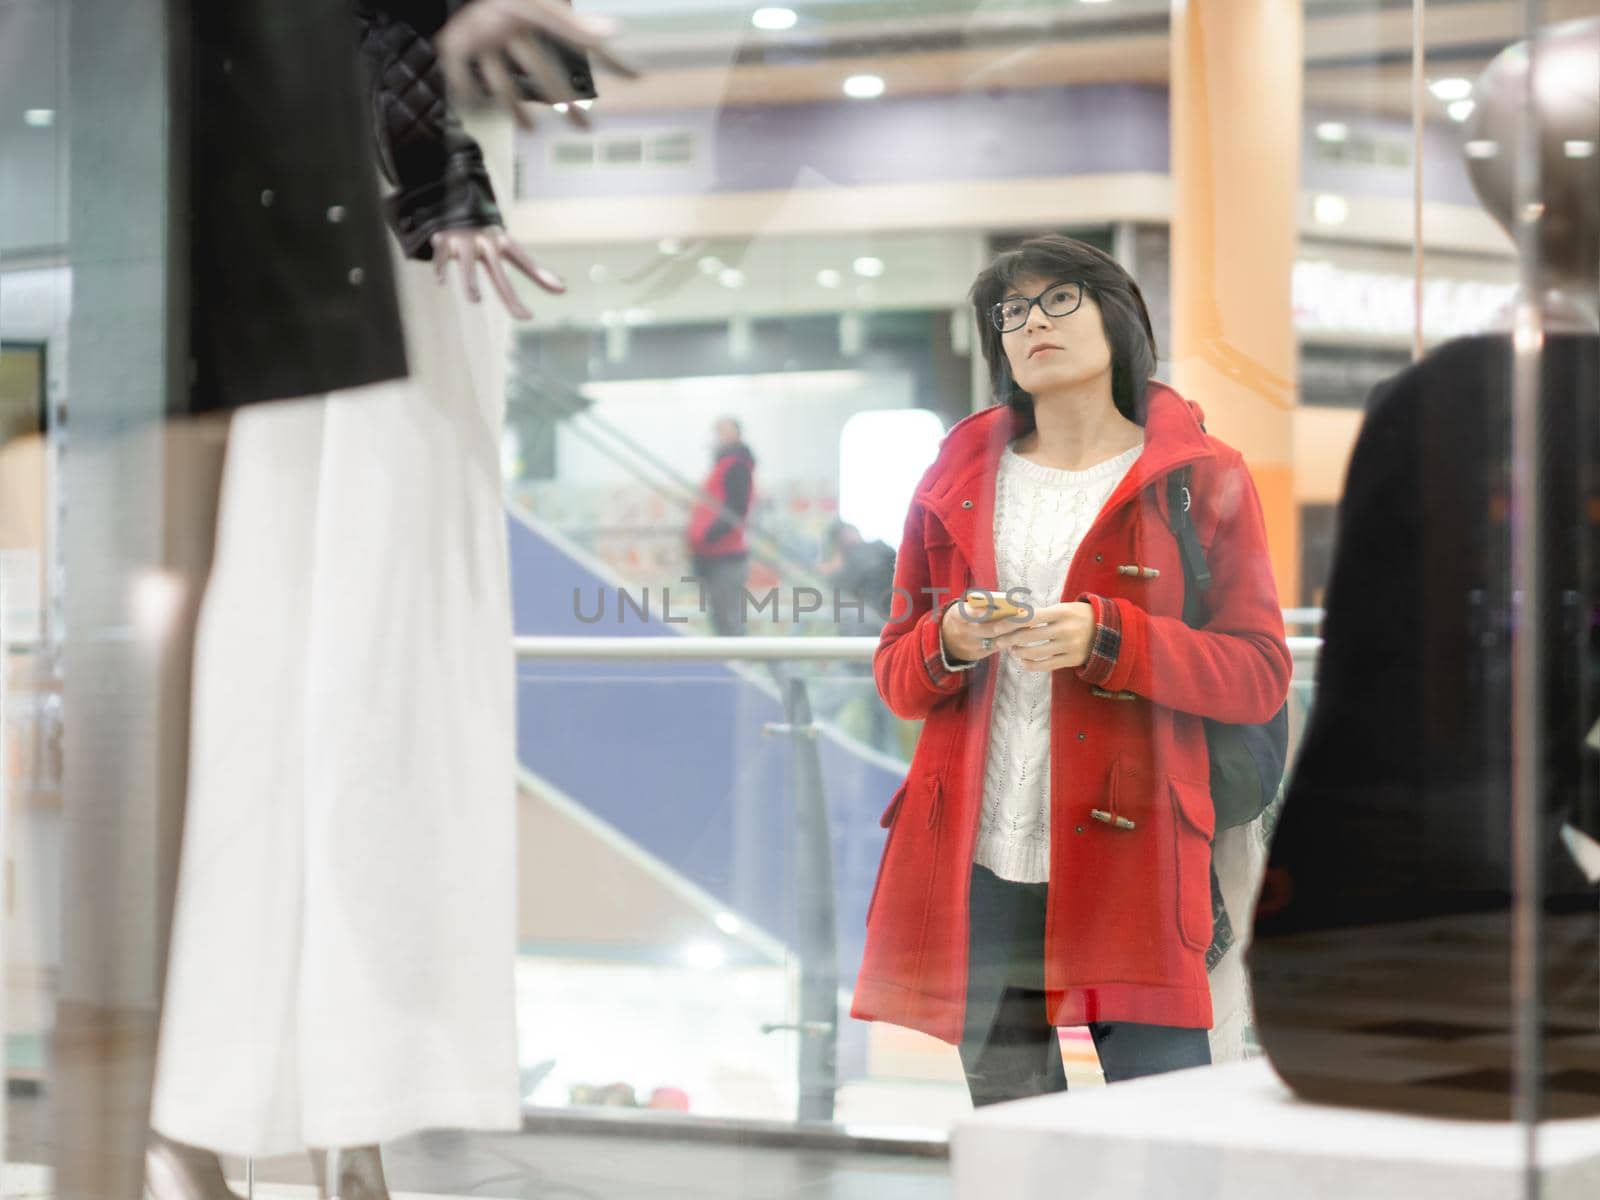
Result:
<point x="1236" y="1132"/>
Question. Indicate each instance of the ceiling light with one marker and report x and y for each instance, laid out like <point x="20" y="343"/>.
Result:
<point x="829" y="278"/>
<point x="1579" y="149"/>
<point x="1331" y="210"/>
<point x="1460" y="110"/>
<point x="773" y="18"/>
<point x="598" y="273"/>
<point x="710" y="265"/>
<point x="864" y="87"/>
<point x="40" y="118"/>
<point x="1333" y="131"/>
<point x="1094" y="1"/>
<point x="1453" y="88"/>
<point x="731" y="277"/>
<point x="671" y="247"/>
<point x="1482" y="148"/>
<point x="729" y="924"/>
<point x="868" y="267"/>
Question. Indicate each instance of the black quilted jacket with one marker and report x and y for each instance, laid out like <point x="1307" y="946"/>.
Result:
<point x="436" y="168"/>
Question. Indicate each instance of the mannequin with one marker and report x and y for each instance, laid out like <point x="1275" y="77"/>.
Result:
<point x="1382" y="959"/>
<point x="1569" y="129"/>
<point x="343" y="939"/>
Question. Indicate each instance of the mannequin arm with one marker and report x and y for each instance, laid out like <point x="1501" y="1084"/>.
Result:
<point x="492" y="247"/>
<point x="436" y="168"/>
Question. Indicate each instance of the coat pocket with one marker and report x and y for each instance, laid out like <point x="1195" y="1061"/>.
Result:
<point x="1193" y="826"/>
<point x="887" y="821"/>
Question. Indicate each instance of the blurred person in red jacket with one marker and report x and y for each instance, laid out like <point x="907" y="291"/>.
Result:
<point x="716" y="527"/>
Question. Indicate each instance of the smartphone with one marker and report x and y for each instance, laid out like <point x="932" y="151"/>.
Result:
<point x="984" y="605"/>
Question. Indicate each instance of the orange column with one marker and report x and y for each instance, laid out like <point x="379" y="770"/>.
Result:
<point x="1236" y="101"/>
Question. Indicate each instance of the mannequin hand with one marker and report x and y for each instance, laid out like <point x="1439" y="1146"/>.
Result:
<point x="489" y="34"/>
<point x="490" y="245"/>
<point x="964" y="639"/>
<point x="1059" y="635"/>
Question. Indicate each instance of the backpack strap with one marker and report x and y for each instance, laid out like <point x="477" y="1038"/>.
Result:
<point x="1196" y="574"/>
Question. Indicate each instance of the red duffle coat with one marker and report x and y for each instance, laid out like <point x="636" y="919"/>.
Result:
<point x="1129" y="913"/>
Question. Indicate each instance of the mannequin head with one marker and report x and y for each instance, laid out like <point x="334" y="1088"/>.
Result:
<point x="1567" y="95"/>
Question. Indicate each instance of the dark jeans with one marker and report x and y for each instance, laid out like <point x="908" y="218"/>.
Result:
<point x="723" y="578"/>
<point x="1009" y="1049"/>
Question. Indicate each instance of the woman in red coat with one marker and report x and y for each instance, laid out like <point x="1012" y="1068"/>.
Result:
<point x="1048" y="858"/>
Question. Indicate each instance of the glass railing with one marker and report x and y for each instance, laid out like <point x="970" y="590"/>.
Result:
<point x="717" y="875"/>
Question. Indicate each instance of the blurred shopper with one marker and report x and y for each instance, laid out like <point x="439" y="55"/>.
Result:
<point x="861" y="574"/>
<point x="1048" y="860"/>
<point x="717" y="547"/>
<point x="343" y="938"/>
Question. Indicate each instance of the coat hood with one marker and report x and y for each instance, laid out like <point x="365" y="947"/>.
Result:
<point x="959" y="487"/>
<point x="1174" y="432"/>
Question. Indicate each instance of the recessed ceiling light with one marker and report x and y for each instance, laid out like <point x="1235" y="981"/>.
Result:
<point x="1579" y="149"/>
<point x="864" y="87"/>
<point x="1482" y="148"/>
<point x="671" y="247"/>
<point x="773" y="18"/>
<point x="868" y="266"/>
<point x="729" y="924"/>
<point x="710" y="265"/>
<point x="829" y="278"/>
<point x="731" y="277"/>
<point x="1094" y="1"/>
<point x="40" y="118"/>
<point x="1460" y="110"/>
<point x="1330" y="210"/>
<point x="1453" y="88"/>
<point x="1333" y="131"/>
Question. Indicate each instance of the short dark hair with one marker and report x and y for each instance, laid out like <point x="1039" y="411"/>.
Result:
<point x="1056" y="258"/>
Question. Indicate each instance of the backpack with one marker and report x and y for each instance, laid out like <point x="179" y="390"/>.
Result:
<point x="1247" y="761"/>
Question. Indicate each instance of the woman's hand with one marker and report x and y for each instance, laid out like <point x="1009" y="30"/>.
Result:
<point x="1056" y="637"/>
<point x="971" y="641"/>
<point x="492" y="246"/>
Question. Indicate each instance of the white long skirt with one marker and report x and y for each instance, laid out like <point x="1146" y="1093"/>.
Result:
<point x="342" y="958"/>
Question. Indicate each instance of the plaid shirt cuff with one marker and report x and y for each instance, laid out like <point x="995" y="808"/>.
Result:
<point x="942" y="673"/>
<point x="1106" y="643"/>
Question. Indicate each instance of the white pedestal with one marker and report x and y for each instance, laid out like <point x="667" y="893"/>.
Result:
<point x="1236" y="1132"/>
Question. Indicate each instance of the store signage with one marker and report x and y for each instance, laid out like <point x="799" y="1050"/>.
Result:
<point x="1331" y="299"/>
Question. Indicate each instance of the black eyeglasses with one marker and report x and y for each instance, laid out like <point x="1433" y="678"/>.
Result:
<point x="1058" y="300"/>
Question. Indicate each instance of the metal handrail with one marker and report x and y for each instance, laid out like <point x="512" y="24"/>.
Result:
<point x="740" y="649"/>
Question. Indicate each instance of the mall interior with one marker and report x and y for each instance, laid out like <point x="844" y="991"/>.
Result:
<point x="767" y="221"/>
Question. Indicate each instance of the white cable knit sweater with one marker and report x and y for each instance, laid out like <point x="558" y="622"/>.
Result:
<point x="1041" y="515"/>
